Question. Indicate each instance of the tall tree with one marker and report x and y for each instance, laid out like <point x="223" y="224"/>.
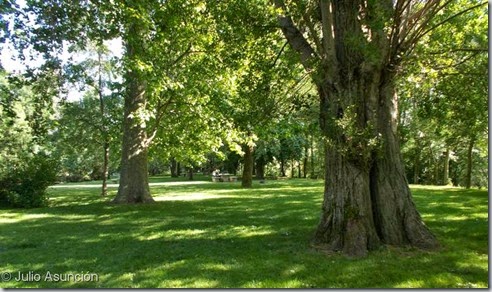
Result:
<point x="353" y="50"/>
<point x="157" y="37"/>
<point x="167" y="45"/>
<point x="134" y="183"/>
<point x="94" y="118"/>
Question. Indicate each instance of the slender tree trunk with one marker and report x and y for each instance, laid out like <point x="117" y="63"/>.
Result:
<point x="134" y="182"/>
<point x="292" y="169"/>
<point x="305" y="162"/>
<point x="469" y="163"/>
<point x="445" y="177"/>
<point x="435" y="163"/>
<point x="190" y="173"/>
<point x="103" y="127"/>
<point x="247" y="180"/>
<point x="178" y="169"/>
<point x="416" y="167"/>
<point x="282" y="168"/>
<point x="104" y="130"/>
<point x="416" y="171"/>
<point x="312" y="158"/>
<point x="104" y="188"/>
<point x="260" y="168"/>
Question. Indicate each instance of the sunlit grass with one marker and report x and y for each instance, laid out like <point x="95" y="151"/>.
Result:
<point x="210" y="235"/>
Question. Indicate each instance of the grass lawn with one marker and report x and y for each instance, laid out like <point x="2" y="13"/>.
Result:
<point x="219" y="235"/>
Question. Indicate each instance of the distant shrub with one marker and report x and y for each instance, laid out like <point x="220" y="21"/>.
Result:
<point x="25" y="186"/>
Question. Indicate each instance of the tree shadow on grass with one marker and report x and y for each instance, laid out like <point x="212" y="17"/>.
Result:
<point x="255" y="238"/>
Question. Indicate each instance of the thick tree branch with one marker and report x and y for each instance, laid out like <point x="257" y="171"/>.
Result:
<point x="295" y="38"/>
<point x="327" y="23"/>
<point x="311" y="29"/>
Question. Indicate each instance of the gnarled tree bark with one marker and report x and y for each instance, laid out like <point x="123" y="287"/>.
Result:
<point x="367" y="201"/>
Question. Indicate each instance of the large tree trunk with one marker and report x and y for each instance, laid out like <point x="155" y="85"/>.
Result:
<point x="397" y="219"/>
<point x="247" y="180"/>
<point x="367" y="199"/>
<point x="134" y="182"/>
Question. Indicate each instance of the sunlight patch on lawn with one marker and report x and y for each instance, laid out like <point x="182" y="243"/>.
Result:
<point x="16" y="217"/>
<point x="189" y="197"/>
<point x="276" y="191"/>
<point x="293" y="283"/>
<point x="294" y="270"/>
<point x="245" y="231"/>
<point x="185" y="234"/>
<point x="217" y="267"/>
<point x="431" y="187"/>
<point x="192" y="282"/>
<point x="412" y="283"/>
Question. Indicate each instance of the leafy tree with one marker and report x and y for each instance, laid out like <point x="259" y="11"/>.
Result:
<point x="353" y="50"/>
<point x="95" y="120"/>
<point x="159" y="40"/>
<point x="256" y="67"/>
<point x="83" y="142"/>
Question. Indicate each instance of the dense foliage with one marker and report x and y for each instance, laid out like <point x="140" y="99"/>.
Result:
<point x="26" y="186"/>
<point x="219" y="77"/>
<point x="27" y="167"/>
